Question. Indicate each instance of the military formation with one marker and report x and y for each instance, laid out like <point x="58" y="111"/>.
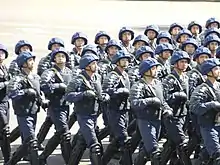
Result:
<point x="156" y="85"/>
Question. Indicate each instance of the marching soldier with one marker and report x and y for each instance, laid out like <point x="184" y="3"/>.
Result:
<point x="152" y="32"/>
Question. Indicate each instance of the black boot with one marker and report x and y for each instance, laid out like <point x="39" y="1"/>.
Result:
<point x="72" y="120"/>
<point x="142" y="158"/>
<point x="126" y="158"/>
<point x="45" y="127"/>
<point x="5" y="146"/>
<point x="66" y="146"/>
<point x="184" y="155"/>
<point x="33" y="152"/>
<point x="15" y="134"/>
<point x="96" y="154"/>
<point x="167" y="151"/>
<point x="156" y="158"/>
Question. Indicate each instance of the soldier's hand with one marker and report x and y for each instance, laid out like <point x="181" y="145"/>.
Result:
<point x="180" y="96"/>
<point x="30" y="92"/>
<point x="89" y="94"/>
<point x="62" y="86"/>
<point x="216" y="105"/>
<point x="122" y="91"/>
<point x="167" y="113"/>
<point x="45" y="104"/>
<point x="154" y="101"/>
<point x="105" y="97"/>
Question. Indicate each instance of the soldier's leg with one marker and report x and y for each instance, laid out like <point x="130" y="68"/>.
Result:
<point x="210" y="135"/>
<point x="150" y="132"/>
<point x="15" y="134"/>
<point x="44" y="129"/>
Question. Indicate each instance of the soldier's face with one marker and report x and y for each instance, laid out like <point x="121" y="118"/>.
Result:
<point x="202" y="58"/>
<point x="216" y="72"/>
<point x="175" y="31"/>
<point x="139" y="44"/>
<point x="103" y="40"/>
<point x="151" y="34"/>
<point x="92" y="66"/>
<point x="145" y="56"/>
<point x="151" y="72"/>
<point x="195" y="29"/>
<point x="182" y="65"/>
<point x="124" y="62"/>
<point x="126" y="36"/>
<point x="25" y="48"/>
<point x="213" y="46"/>
<point x="79" y="42"/>
<point x="112" y="50"/>
<point x="29" y="64"/>
<point x="190" y="49"/>
<point x="2" y="56"/>
<point x="183" y="38"/>
<point x="163" y="40"/>
<point x="213" y="25"/>
<point x="166" y="54"/>
<point x="55" y="46"/>
<point x="60" y="58"/>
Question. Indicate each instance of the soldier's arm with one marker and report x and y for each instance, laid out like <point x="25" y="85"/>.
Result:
<point x="43" y="65"/>
<point x="74" y="91"/>
<point x="46" y="84"/>
<point x="168" y="88"/>
<point x="14" y="88"/>
<point x="199" y="103"/>
<point x="110" y="84"/>
<point x="193" y="82"/>
<point x="13" y="68"/>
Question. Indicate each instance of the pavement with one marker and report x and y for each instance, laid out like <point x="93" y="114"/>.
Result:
<point x="38" y="21"/>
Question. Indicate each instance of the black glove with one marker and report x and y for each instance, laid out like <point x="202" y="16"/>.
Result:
<point x="30" y="92"/>
<point x="154" y="102"/>
<point x="89" y="94"/>
<point x="180" y="96"/>
<point x="45" y="104"/>
<point x="167" y="113"/>
<point x="122" y="91"/>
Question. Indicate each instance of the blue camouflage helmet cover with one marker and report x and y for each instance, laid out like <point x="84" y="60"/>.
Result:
<point x="154" y="28"/>
<point x="191" y="41"/>
<point x="60" y="50"/>
<point x="208" y="65"/>
<point x="86" y="60"/>
<point x="163" y="34"/>
<point x="20" y="44"/>
<point x="119" y="55"/>
<point x="194" y="23"/>
<point x="23" y="57"/>
<point x="212" y="31"/>
<point x="112" y="43"/>
<point x="201" y="50"/>
<point x="142" y="50"/>
<point x="4" y="49"/>
<point x="142" y="38"/>
<point x="147" y="64"/>
<point x="78" y="35"/>
<point x="212" y="20"/>
<point x="125" y="29"/>
<point x="182" y="32"/>
<point x="100" y="34"/>
<point x="55" y="40"/>
<point x="173" y="26"/>
<point x="90" y="48"/>
<point x="179" y="55"/>
<point x="211" y="38"/>
<point x="164" y="47"/>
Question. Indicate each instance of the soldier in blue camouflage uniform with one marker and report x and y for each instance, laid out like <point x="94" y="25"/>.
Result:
<point x="24" y="90"/>
<point x="195" y="28"/>
<point x="218" y="53"/>
<point x="163" y="37"/>
<point x="4" y="106"/>
<point x="190" y="46"/>
<point x="140" y="40"/>
<point x="101" y="39"/>
<point x="174" y="30"/>
<point x="86" y="93"/>
<point x="117" y="85"/>
<point x="148" y="104"/>
<point x="205" y="104"/>
<point x="45" y="63"/>
<point x="79" y="40"/>
<point x="164" y="52"/>
<point x="21" y="46"/>
<point x="176" y="95"/>
<point x="212" y="42"/>
<point x="152" y="32"/>
<point x="183" y="35"/>
<point x="54" y="82"/>
<point x="195" y="79"/>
